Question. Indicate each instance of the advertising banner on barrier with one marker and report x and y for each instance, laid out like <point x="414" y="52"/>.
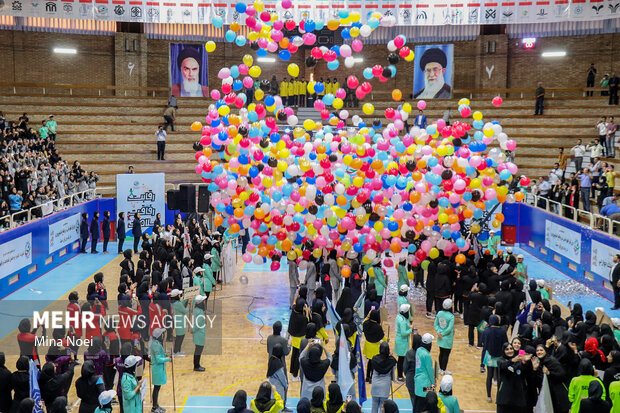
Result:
<point x="564" y="241"/>
<point x="143" y="193"/>
<point x="403" y="12"/>
<point x="601" y="257"/>
<point x="64" y="232"/>
<point x="15" y="255"/>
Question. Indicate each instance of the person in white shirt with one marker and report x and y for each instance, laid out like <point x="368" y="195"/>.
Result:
<point x="596" y="149"/>
<point x="578" y="152"/>
<point x="543" y="191"/>
<point x="556" y="174"/>
<point x="161" y="142"/>
<point x="601" y="128"/>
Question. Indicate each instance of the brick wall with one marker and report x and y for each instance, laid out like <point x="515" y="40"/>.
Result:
<point x="28" y="57"/>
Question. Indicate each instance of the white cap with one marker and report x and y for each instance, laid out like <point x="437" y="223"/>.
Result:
<point x="520" y="257"/>
<point x="427" y="338"/>
<point x="540" y="283"/>
<point x="447" y="304"/>
<point x="199" y="299"/>
<point x="446" y="383"/>
<point x="404" y="308"/>
<point x="404" y="288"/>
<point x="616" y="322"/>
<point x="509" y="250"/>
<point x="158" y="332"/>
<point x="198" y="269"/>
<point x="216" y="233"/>
<point x="106" y="397"/>
<point x="208" y="256"/>
<point x="492" y="232"/>
<point x="131" y="361"/>
<point x="175" y="293"/>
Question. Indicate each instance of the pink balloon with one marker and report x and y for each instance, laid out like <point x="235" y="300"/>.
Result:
<point x="421" y="104"/>
<point x="215" y="94"/>
<point x="357" y="45"/>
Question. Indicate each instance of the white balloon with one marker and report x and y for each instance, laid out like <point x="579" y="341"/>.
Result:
<point x="292" y="120"/>
<point x="344" y="114"/>
<point x="391" y="46"/>
<point x="345" y="50"/>
<point x="349" y="62"/>
<point x="365" y="31"/>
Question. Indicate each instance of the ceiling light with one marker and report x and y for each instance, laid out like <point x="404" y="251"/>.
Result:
<point x="358" y="59"/>
<point x="554" y="54"/>
<point x="65" y="50"/>
<point x="266" y="59"/>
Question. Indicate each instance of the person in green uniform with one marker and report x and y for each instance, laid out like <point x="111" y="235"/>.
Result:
<point x="105" y="401"/>
<point x="402" y="298"/>
<point x="541" y="289"/>
<point x="615" y="322"/>
<point x="402" y="272"/>
<point x="158" y="367"/>
<point x="445" y="394"/>
<point x="404" y="328"/>
<point x="132" y="399"/>
<point x="578" y="388"/>
<point x="51" y="126"/>
<point x="43" y="130"/>
<point x="180" y="310"/>
<point x="216" y="263"/>
<point x="521" y="269"/>
<point x="424" y="372"/>
<point x="380" y="280"/>
<point x="614" y="396"/>
<point x="444" y="326"/>
<point x="209" y="279"/>
<point x="494" y="242"/>
<point x="199" y="330"/>
<point x="199" y="280"/>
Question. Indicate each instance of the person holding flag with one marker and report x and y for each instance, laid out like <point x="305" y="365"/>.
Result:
<point x="35" y="392"/>
<point x="343" y="364"/>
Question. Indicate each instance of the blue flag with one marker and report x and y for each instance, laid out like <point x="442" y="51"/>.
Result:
<point x="361" y="382"/>
<point x="35" y="392"/>
<point x="332" y="315"/>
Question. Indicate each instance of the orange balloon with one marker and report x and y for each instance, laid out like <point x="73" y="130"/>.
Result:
<point x="395" y="247"/>
<point x="238" y="213"/>
<point x="397" y="95"/>
<point x="234" y="228"/>
<point x="421" y="164"/>
<point x="499" y="217"/>
<point x="284" y="43"/>
<point x="259" y="213"/>
<point x="235" y="26"/>
<point x="196" y="126"/>
<point x="218" y="220"/>
<point x="419" y="226"/>
<point x="519" y="196"/>
<point x="346" y="271"/>
<point x="416" y="176"/>
<point x="207" y="151"/>
<point x="501" y="198"/>
<point x="468" y="213"/>
<point x="460" y="259"/>
<point x="415" y="197"/>
<point x="286" y="245"/>
<point x="263" y="251"/>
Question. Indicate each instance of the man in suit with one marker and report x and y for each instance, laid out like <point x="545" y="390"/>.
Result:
<point x="136" y="231"/>
<point x="420" y="120"/>
<point x="94" y="233"/>
<point x="615" y="281"/>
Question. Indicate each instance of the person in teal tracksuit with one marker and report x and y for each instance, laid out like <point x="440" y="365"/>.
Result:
<point x="444" y="326"/>
<point x="404" y="328"/>
<point x="445" y="394"/>
<point x="380" y="281"/>
<point x="216" y="261"/>
<point x="402" y="299"/>
<point x="209" y="279"/>
<point x="180" y="311"/>
<point x="105" y="402"/>
<point x="402" y="272"/>
<point x="424" y="372"/>
<point x="132" y="400"/>
<point x="158" y="366"/>
<point x="199" y="329"/>
<point x="199" y="280"/>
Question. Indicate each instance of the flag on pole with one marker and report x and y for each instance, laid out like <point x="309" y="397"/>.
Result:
<point x="345" y="378"/>
<point x="332" y="315"/>
<point x="35" y="392"/>
<point x="361" y="382"/>
<point x="544" y="404"/>
<point x="358" y="317"/>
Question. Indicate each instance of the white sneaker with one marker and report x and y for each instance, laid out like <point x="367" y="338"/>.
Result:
<point x="442" y="372"/>
<point x="461" y="315"/>
<point x="179" y="354"/>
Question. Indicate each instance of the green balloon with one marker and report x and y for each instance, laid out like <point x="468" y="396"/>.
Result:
<point x="425" y="264"/>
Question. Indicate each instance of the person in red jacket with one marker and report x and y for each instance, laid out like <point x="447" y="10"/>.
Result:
<point x="128" y="326"/>
<point x="91" y="329"/>
<point x="26" y="340"/>
<point x="156" y="314"/>
<point x="75" y="324"/>
<point x="112" y="344"/>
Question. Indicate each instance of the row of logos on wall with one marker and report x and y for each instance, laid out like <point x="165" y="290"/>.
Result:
<point x="405" y="12"/>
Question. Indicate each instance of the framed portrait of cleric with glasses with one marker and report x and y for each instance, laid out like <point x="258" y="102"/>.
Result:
<point x="189" y="70"/>
<point x="433" y="71"/>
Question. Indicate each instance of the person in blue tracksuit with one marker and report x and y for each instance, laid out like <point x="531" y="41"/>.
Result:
<point x="94" y="233"/>
<point x="84" y="234"/>
<point x="120" y="231"/>
<point x="136" y="231"/>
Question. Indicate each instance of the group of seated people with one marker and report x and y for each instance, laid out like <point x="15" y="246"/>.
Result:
<point x="32" y="173"/>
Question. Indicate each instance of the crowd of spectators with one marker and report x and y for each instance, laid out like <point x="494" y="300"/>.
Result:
<point x="32" y="173"/>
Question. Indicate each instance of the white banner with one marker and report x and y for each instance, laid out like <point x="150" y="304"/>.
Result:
<point x="15" y="255"/>
<point x="564" y="241"/>
<point x="409" y="12"/>
<point x="64" y="232"/>
<point x="143" y="193"/>
<point x="601" y="257"/>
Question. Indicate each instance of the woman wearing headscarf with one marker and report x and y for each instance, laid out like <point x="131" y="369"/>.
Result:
<point x="131" y="387"/>
<point x="613" y="370"/>
<point x="424" y="373"/>
<point x="105" y="401"/>
<point x="409" y="367"/>
<point x="404" y="328"/>
<point x="347" y="319"/>
<point x="334" y="402"/>
<point x="180" y="311"/>
<point x="335" y="276"/>
<point x="276" y="372"/>
<point x="389" y="406"/>
<point x="546" y="364"/>
<point x="579" y="385"/>
<point x="371" y="301"/>
<point x="594" y="354"/>
<point x="199" y="330"/>
<point x="88" y="387"/>
<point x="595" y="403"/>
<point x="355" y="281"/>
<point x="592" y="329"/>
<point x="335" y="364"/>
<point x="382" y="366"/>
<point x="344" y="301"/>
<point x="373" y="335"/>
<point x="380" y="279"/>
<point x="313" y="368"/>
<point x="297" y="330"/>
<point x="53" y="385"/>
<point x="240" y="403"/>
<point x="493" y="339"/>
<point x="26" y="405"/>
<point x="509" y="383"/>
<point x="445" y="394"/>
<point x="59" y="405"/>
<point x="264" y="403"/>
<point x="276" y="338"/>
<point x="158" y="366"/>
<point x="476" y="300"/>
<point x="5" y="385"/>
<point x="317" y="402"/>
<point x="20" y="382"/>
<point x="318" y="308"/>
<point x="97" y="354"/>
<point x="444" y="327"/>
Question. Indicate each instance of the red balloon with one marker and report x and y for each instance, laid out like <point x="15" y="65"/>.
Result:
<point x="290" y="24"/>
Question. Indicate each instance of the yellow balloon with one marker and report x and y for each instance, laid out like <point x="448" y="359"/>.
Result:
<point x="248" y="60"/>
<point x="223" y="110"/>
<point x="210" y="46"/>
<point x="355" y="31"/>
<point x="368" y="108"/>
<point x="293" y="69"/>
<point x="338" y="103"/>
<point x="477" y="115"/>
<point x="196" y="126"/>
<point x="255" y="71"/>
<point x="407" y="107"/>
<point x="410" y="57"/>
<point x="259" y="94"/>
<point x="259" y="5"/>
<point x="308" y="124"/>
<point x="310" y="86"/>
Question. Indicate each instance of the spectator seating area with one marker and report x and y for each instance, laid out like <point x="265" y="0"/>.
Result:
<point x="32" y="172"/>
<point x="108" y="133"/>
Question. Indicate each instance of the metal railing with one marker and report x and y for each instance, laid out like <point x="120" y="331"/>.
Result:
<point x="41" y="211"/>
<point x="594" y="220"/>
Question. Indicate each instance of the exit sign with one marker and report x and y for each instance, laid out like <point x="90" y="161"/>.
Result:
<point x="529" y="42"/>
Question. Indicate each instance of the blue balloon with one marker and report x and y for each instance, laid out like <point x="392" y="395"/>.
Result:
<point x="218" y="22"/>
<point x="346" y="34"/>
<point x="261" y="52"/>
<point x="240" y="41"/>
<point x="333" y="65"/>
<point x="237" y="85"/>
<point x="230" y="36"/>
<point x="234" y="71"/>
<point x="309" y="26"/>
<point x="328" y="99"/>
<point x="336" y="49"/>
<point x="241" y="8"/>
<point x="284" y="54"/>
<point x="455" y="235"/>
<point x="319" y="87"/>
<point x="368" y="73"/>
<point x="461" y="242"/>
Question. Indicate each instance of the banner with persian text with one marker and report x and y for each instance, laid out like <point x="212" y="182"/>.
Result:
<point x="143" y="193"/>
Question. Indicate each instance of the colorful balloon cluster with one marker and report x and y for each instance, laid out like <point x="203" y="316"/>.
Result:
<point x="360" y="187"/>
